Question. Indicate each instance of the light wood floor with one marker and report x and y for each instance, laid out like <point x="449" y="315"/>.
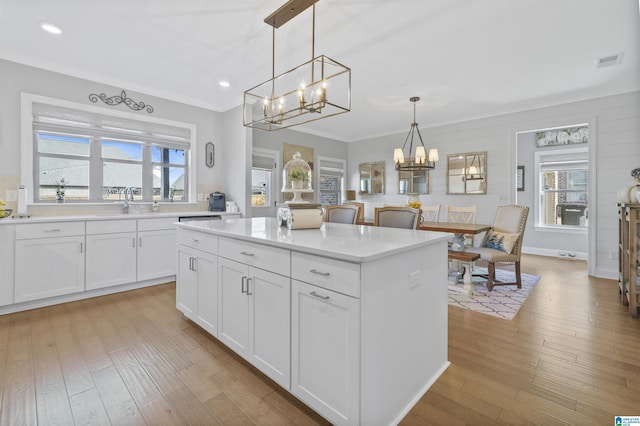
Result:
<point x="570" y="356"/>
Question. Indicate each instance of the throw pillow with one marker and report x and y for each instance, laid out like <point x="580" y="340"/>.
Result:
<point x="501" y="241"/>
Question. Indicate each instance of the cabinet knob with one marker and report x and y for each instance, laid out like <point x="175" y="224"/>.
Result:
<point x="324" y="274"/>
<point x="246" y="253"/>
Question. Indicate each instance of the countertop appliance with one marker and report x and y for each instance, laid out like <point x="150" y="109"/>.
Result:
<point x="217" y="202"/>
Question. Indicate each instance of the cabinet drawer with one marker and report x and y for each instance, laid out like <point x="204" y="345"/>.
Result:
<point x="336" y="275"/>
<point x="157" y="224"/>
<point x="49" y="230"/>
<point x="198" y="240"/>
<point x="110" y="226"/>
<point x="264" y="257"/>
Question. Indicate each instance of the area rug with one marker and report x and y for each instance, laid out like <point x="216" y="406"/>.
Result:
<point x="503" y="302"/>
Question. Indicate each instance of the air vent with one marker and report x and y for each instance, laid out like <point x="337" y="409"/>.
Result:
<point x="608" y="61"/>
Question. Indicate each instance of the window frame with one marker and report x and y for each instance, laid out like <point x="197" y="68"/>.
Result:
<point x="568" y="156"/>
<point x="29" y="139"/>
<point x="327" y="163"/>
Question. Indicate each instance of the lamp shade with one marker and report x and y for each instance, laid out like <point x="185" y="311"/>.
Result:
<point x="421" y="154"/>
<point x="433" y="154"/>
<point x="398" y="156"/>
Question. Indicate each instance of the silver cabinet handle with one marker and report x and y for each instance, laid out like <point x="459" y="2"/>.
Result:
<point x="194" y="261"/>
<point x="248" y="281"/>
<point x="52" y="230"/>
<point x="319" y="296"/>
<point x="81" y="247"/>
<point x="194" y="240"/>
<point x="324" y="274"/>
<point x="139" y="241"/>
<point x="246" y="253"/>
<point x="133" y="242"/>
<point x="242" y="284"/>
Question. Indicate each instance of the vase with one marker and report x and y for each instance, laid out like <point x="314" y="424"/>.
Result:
<point x="414" y="201"/>
<point x="296" y="184"/>
<point x="634" y="194"/>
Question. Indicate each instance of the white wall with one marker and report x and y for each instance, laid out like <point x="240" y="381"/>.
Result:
<point x="616" y="130"/>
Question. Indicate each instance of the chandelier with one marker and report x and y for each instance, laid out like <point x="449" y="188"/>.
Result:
<point x="420" y="161"/>
<point x="316" y="89"/>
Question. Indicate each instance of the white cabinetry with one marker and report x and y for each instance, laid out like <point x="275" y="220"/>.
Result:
<point x="254" y="310"/>
<point x="111" y="253"/>
<point x="325" y="337"/>
<point x="197" y="289"/>
<point x="49" y="260"/>
<point x="156" y="248"/>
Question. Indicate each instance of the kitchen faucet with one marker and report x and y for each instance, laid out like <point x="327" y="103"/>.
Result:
<point x="128" y="196"/>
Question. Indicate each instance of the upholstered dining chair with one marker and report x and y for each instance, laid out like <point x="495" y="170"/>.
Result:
<point x="341" y="214"/>
<point x="360" y="219"/>
<point x="503" y="243"/>
<point x="431" y="213"/>
<point x="397" y="217"/>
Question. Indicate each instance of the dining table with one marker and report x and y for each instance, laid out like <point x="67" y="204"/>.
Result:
<point x="458" y="229"/>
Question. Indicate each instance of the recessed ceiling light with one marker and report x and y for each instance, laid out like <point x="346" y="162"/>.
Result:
<point x="224" y="83"/>
<point x="51" y="28"/>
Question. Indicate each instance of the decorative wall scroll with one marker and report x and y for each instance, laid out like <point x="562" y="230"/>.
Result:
<point x="209" y="156"/>
<point x="121" y="99"/>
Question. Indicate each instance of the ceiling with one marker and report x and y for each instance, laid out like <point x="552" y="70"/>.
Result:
<point x="466" y="59"/>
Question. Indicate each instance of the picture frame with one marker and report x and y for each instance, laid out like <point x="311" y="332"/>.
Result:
<point x="520" y="178"/>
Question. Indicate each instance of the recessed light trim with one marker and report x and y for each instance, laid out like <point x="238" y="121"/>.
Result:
<point x="224" y="83"/>
<point x="51" y="28"/>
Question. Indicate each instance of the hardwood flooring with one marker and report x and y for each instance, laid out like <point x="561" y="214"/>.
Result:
<point x="570" y="356"/>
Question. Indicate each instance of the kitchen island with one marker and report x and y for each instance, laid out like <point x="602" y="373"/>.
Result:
<point x="351" y="319"/>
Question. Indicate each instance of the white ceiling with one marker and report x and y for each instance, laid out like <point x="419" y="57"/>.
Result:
<point x="465" y="58"/>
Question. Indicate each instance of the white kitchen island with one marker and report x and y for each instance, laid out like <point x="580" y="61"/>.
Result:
<point x="352" y="320"/>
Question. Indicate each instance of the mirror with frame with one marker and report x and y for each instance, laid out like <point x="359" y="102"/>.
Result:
<point x="413" y="182"/>
<point x="372" y="178"/>
<point x="467" y="173"/>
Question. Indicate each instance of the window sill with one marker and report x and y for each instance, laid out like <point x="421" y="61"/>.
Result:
<point x="562" y="230"/>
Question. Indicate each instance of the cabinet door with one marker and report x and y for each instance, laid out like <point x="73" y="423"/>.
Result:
<point x="48" y="267"/>
<point x="156" y="254"/>
<point x="233" y="307"/>
<point x="325" y="352"/>
<point x="111" y="259"/>
<point x="186" y="283"/>
<point x="270" y="324"/>
<point x="207" y="301"/>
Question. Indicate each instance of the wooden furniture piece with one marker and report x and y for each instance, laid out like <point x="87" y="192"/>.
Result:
<point x="458" y="229"/>
<point x="397" y="217"/>
<point x="629" y="256"/>
<point x="430" y="213"/>
<point x="341" y="214"/>
<point x="461" y="214"/>
<point x="509" y="220"/>
<point x="360" y="218"/>
<point x="323" y="314"/>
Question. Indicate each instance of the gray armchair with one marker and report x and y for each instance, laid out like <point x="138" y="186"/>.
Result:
<point x="397" y="217"/>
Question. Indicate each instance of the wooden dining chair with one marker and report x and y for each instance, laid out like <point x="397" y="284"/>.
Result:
<point x="360" y="219"/>
<point x="465" y="214"/>
<point x="397" y="217"/>
<point x="503" y="243"/>
<point x="341" y="214"/>
<point x="431" y="213"/>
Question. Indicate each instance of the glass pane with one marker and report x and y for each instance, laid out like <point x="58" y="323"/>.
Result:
<point x="58" y="144"/>
<point x="564" y="198"/>
<point x="121" y="150"/>
<point x="167" y="155"/>
<point x="74" y="172"/>
<point x="260" y="187"/>
<point x="116" y="177"/>
<point x="168" y="183"/>
<point x="330" y="189"/>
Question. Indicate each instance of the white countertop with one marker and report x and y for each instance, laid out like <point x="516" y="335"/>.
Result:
<point x="352" y="243"/>
<point x="113" y="216"/>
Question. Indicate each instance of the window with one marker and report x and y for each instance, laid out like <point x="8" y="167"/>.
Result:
<point x="330" y="180"/>
<point x="563" y="188"/>
<point x="263" y="178"/>
<point x="100" y="155"/>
